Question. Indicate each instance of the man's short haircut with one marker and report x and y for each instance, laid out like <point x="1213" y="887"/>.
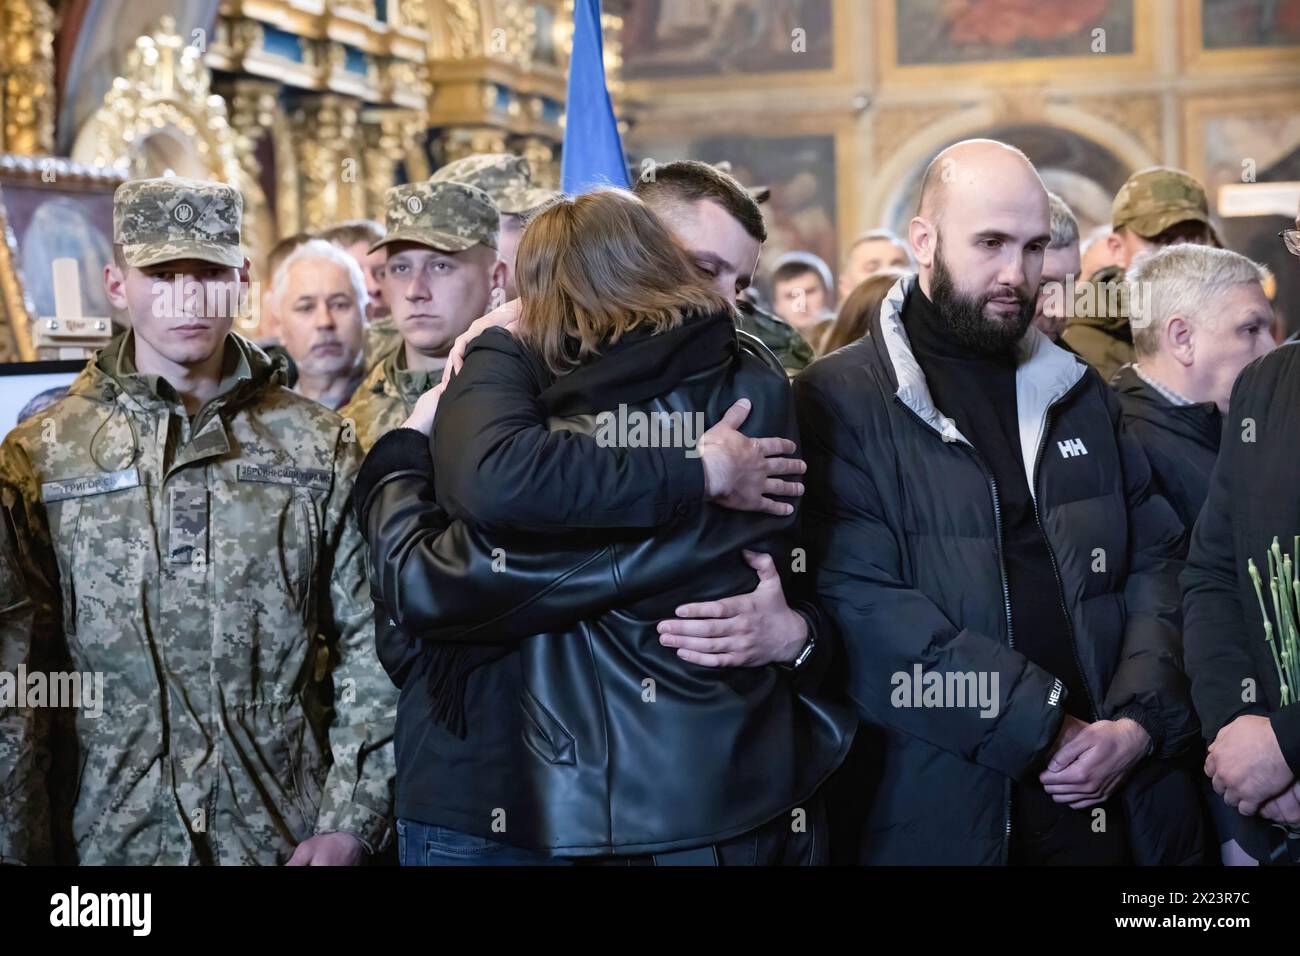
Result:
<point x="1064" y="227"/>
<point x="349" y="233"/>
<point x="319" y="249"/>
<point x="799" y="261"/>
<point x="1184" y="280"/>
<point x="687" y="181"/>
<point x="281" y="251"/>
<point x="876" y="235"/>
<point x="792" y="270"/>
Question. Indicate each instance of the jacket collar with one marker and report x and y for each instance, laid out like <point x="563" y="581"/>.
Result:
<point x="1197" y="421"/>
<point x="392" y="378"/>
<point x="110" y="378"/>
<point x="1044" y="374"/>
<point x="408" y="383"/>
<point x="642" y="365"/>
<point x="112" y="371"/>
<point x="1102" y="303"/>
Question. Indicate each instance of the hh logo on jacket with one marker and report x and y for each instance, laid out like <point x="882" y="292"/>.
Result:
<point x="1071" y="447"/>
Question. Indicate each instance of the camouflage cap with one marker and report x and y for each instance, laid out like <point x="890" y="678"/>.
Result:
<point x="158" y="220"/>
<point x="449" y="217"/>
<point x="1155" y="198"/>
<point x="507" y="178"/>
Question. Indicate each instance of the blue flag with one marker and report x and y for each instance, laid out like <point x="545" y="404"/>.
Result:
<point x="593" y="153"/>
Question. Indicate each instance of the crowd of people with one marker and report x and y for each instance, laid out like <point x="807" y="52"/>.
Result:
<point x="518" y="531"/>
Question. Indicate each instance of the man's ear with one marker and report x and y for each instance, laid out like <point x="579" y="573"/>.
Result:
<point x="500" y="272"/>
<point x="248" y="310"/>
<point x="1118" y="251"/>
<point x="115" y="286"/>
<point x="1180" y="340"/>
<point x="920" y="233"/>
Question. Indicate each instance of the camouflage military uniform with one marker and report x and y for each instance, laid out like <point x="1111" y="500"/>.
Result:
<point x="1149" y="202"/>
<point x="1101" y="335"/>
<point x="447" y="216"/>
<point x="210" y="568"/>
<point x="778" y="335"/>
<point x="24" y="807"/>
<point x="386" y="398"/>
<point x="503" y="176"/>
<point x="378" y="341"/>
<point x="506" y="179"/>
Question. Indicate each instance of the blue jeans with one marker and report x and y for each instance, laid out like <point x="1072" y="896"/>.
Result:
<point x="423" y="844"/>
<point x="774" y="843"/>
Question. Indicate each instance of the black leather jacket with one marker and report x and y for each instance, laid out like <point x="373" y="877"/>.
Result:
<point x="587" y="736"/>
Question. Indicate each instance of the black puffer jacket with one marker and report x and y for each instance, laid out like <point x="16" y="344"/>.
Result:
<point x="1253" y="498"/>
<point x="908" y="566"/>
<point x="1180" y="441"/>
<point x="587" y="736"/>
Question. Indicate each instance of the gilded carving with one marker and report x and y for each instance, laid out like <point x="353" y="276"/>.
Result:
<point x="27" y="76"/>
<point x="464" y="29"/>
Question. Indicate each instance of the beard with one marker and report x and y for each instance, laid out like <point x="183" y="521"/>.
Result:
<point x="965" y="316"/>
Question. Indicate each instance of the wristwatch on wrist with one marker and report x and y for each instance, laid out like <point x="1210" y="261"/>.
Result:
<point x="804" y="653"/>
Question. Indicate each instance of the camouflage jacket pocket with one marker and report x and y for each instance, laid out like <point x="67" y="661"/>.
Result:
<point x="308" y="550"/>
<point x="64" y="518"/>
<point x="13" y="590"/>
<point x="83" y="511"/>
<point x="286" y="512"/>
<point x="309" y="768"/>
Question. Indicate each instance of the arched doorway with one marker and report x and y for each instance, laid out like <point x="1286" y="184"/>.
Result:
<point x="1080" y="170"/>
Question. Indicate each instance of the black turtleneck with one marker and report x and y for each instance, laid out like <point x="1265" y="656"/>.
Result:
<point x="979" y="393"/>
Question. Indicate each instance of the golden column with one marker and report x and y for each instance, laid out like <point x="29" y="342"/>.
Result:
<point x="27" y="77"/>
<point x="388" y="135"/>
<point x="330" y="151"/>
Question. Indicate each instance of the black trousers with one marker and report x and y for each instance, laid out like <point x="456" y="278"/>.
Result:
<point x="1046" y="833"/>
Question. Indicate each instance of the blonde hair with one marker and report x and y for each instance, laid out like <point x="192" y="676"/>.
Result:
<point x="591" y="268"/>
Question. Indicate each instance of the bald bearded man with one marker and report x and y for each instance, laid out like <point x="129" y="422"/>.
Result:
<point x="993" y="554"/>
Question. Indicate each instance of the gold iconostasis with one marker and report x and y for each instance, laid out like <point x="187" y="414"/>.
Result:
<point x="314" y="107"/>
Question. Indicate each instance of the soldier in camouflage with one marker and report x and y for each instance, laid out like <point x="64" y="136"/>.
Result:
<point x="184" y="530"/>
<point x="24" y="833"/>
<point x="1156" y="207"/>
<point x="790" y="348"/>
<point x="442" y="273"/>
<point x="508" y="179"/>
<point x="719" y="224"/>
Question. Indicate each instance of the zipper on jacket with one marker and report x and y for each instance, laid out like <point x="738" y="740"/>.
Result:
<point x="1006" y="595"/>
<point x="1011" y="636"/>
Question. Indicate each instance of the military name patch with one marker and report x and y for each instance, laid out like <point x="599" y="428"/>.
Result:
<point x="286" y="475"/>
<point x="90" y="485"/>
